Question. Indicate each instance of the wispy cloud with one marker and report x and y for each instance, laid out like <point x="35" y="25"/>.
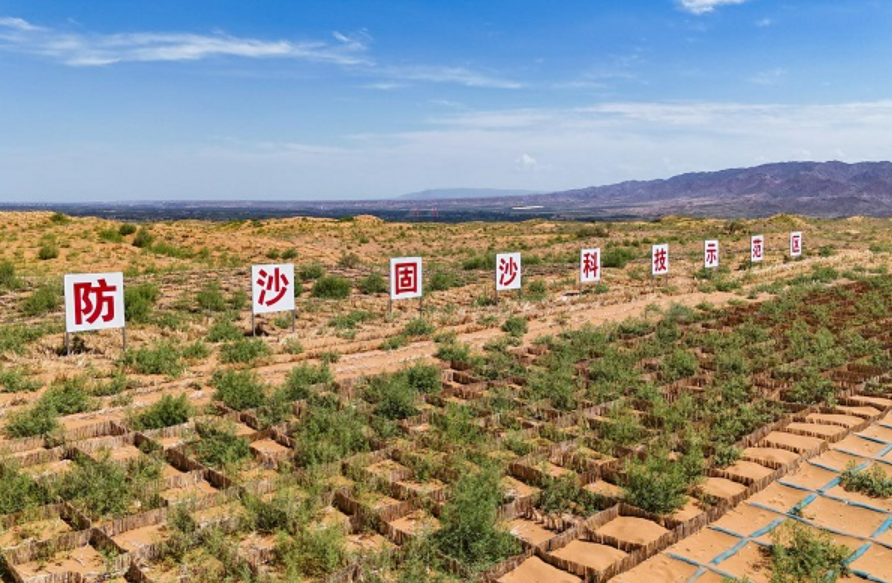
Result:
<point x="769" y="77"/>
<point x="704" y="6"/>
<point x="351" y="50"/>
<point x="455" y="75"/>
<point x="17" y="24"/>
<point x="79" y="49"/>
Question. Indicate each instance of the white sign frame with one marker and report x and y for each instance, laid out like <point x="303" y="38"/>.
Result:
<point x="706" y="244"/>
<point x="517" y="282"/>
<point x="419" y="267"/>
<point x="596" y="251"/>
<point x="112" y="279"/>
<point x="286" y="303"/>
<point x="793" y="236"/>
<point x="761" y="240"/>
<point x="653" y="254"/>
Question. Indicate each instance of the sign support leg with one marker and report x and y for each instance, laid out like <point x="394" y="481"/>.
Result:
<point x="421" y="306"/>
<point x="67" y="345"/>
<point x="253" y="327"/>
<point x="293" y="317"/>
<point x="124" y="338"/>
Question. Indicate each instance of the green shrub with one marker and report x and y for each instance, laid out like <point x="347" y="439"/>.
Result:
<point x="143" y="238"/>
<point x="293" y="346"/>
<point x="873" y="482"/>
<point x="310" y="271"/>
<point x="373" y="283"/>
<point x="442" y="280"/>
<point x="537" y="290"/>
<point x="15" y="337"/>
<point x="351" y="320"/>
<point x="349" y="261"/>
<point x="19" y="491"/>
<point x="13" y="380"/>
<point x="328" y="434"/>
<point x="394" y="397"/>
<point x="515" y="326"/>
<point x="139" y="300"/>
<point x="313" y="553"/>
<point x="126" y="229"/>
<point x="802" y="554"/>
<point x="219" y="446"/>
<point x="617" y="257"/>
<point x="69" y="397"/>
<point x="289" y="254"/>
<point x="43" y="300"/>
<point x="238" y="390"/>
<point x="164" y="357"/>
<point x="679" y="364"/>
<point x="109" y="235"/>
<point x="331" y="287"/>
<point x="210" y="298"/>
<point x="302" y="377"/>
<point x="39" y="419"/>
<point x="419" y="327"/>
<point x="60" y="218"/>
<point x="395" y="342"/>
<point x="8" y="278"/>
<point x="656" y="484"/>
<point x="115" y="385"/>
<point x="100" y="488"/>
<point x="564" y="495"/>
<point x="470" y="531"/>
<point x="244" y="350"/>
<point x="424" y="378"/>
<point x="223" y="329"/>
<point x="166" y="412"/>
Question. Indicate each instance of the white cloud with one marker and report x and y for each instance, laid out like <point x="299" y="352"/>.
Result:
<point x="765" y="22"/>
<point x="78" y="49"/>
<point x="770" y="77"/>
<point x="456" y="75"/>
<point x="526" y="163"/>
<point x="18" y="24"/>
<point x="348" y="50"/>
<point x="704" y="6"/>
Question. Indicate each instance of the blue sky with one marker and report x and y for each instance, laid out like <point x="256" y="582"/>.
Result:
<point x="224" y="99"/>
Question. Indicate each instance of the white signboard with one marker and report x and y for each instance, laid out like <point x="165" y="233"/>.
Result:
<point x="508" y="271"/>
<point x="659" y="259"/>
<point x="757" y="248"/>
<point x="589" y="265"/>
<point x="94" y="301"/>
<point x="795" y="244"/>
<point x="405" y="278"/>
<point x="272" y="288"/>
<point x="711" y="254"/>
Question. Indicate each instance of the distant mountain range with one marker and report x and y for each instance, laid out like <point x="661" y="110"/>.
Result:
<point x="817" y="189"/>
<point x="461" y="193"/>
<point x="820" y="189"/>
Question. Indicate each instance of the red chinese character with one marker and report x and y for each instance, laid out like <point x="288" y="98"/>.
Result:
<point x="406" y="278"/>
<point x="275" y="283"/>
<point x="92" y="302"/>
<point x="796" y="242"/>
<point x="589" y="265"/>
<point x="757" y="248"/>
<point x="660" y="260"/>
<point x="711" y="254"/>
<point x="507" y="271"/>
